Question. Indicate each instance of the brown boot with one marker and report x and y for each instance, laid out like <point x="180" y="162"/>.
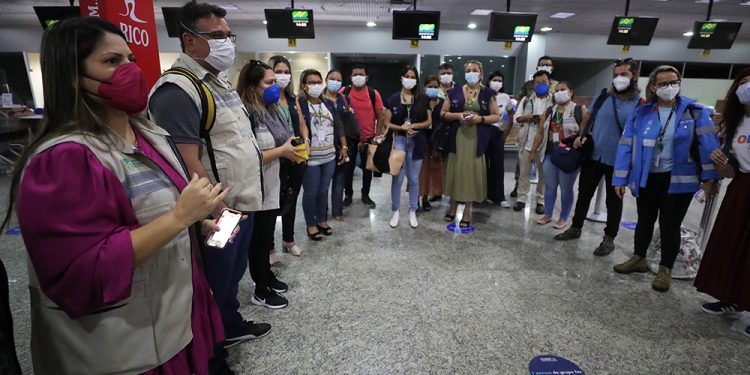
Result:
<point x="634" y="264"/>
<point x="662" y="280"/>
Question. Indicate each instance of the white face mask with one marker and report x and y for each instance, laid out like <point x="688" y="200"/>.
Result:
<point x="222" y="54"/>
<point x="359" y="81"/>
<point x="283" y="80"/>
<point x="495" y="85"/>
<point x="547" y="68"/>
<point x="668" y="93"/>
<point x="562" y="97"/>
<point x="315" y="90"/>
<point x="446" y="79"/>
<point x="408" y="83"/>
<point x="621" y="83"/>
<point x="743" y="93"/>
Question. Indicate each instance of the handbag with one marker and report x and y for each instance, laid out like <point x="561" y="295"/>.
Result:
<point x="566" y="157"/>
<point x="383" y="157"/>
<point x="349" y="121"/>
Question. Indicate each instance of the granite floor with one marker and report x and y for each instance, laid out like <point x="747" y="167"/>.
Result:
<point x="376" y="300"/>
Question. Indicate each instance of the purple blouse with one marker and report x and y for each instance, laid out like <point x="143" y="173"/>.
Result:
<point x="69" y="200"/>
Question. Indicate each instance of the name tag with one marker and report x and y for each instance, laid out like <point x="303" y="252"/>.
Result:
<point x="556" y="137"/>
<point x="649" y="142"/>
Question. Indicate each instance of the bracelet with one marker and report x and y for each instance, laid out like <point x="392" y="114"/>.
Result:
<point x="345" y="147"/>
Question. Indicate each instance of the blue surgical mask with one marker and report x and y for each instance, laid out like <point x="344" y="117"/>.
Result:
<point x="271" y="94"/>
<point x="541" y="89"/>
<point x="334" y="86"/>
<point x="472" y="78"/>
<point x="432" y="92"/>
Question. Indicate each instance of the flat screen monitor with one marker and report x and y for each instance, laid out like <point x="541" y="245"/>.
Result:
<point x="416" y="25"/>
<point x="714" y="35"/>
<point x="632" y="31"/>
<point x="49" y="16"/>
<point x="511" y="27"/>
<point x="171" y="19"/>
<point x="290" y="23"/>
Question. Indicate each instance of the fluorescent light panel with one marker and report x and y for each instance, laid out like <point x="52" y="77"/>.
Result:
<point x="562" y="15"/>
<point x="481" y="12"/>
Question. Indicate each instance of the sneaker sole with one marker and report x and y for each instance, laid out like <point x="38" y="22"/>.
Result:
<point x="280" y="290"/>
<point x="603" y="253"/>
<point x="632" y="271"/>
<point x="239" y="340"/>
<point x="718" y="313"/>
<point x="659" y="289"/>
<point x="273" y="307"/>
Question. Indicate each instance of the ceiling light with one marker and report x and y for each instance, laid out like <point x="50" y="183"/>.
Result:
<point x="481" y="12"/>
<point x="545" y="29"/>
<point x="459" y="57"/>
<point x="472" y="26"/>
<point x="705" y="1"/>
<point x="562" y="15"/>
<point x="689" y="33"/>
<point x="371" y="24"/>
<point x="746" y="3"/>
<point x="229" y="7"/>
<point x="265" y="22"/>
<point x="505" y="56"/>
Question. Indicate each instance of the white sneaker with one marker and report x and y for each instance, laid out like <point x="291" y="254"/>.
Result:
<point x="413" y="219"/>
<point x="504" y="204"/>
<point x="394" y="219"/>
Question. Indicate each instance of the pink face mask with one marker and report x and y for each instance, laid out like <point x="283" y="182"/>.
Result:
<point x="126" y="90"/>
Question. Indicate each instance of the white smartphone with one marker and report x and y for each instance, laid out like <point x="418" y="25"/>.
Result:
<point x="227" y="222"/>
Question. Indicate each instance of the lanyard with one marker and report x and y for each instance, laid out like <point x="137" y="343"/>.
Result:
<point x="660" y="139"/>
<point x="408" y="107"/>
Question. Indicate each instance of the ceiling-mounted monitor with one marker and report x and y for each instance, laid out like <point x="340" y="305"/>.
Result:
<point x="49" y="16"/>
<point x="171" y="20"/>
<point x="290" y="23"/>
<point x="416" y="25"/>
<point x="714" y="35"/>
<point x="511" y="27"/>
<point x="632" y="31"/>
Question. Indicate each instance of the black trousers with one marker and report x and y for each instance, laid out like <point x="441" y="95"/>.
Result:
<point x="655" y="201"/>
<point x="287" y="220"/>
<point x="260" y="246"/>
<point x="591" y="173"/>
<point x="495" y="156"/>
<point x="366" y="175"/>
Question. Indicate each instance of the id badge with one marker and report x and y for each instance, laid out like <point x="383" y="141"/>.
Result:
<point x="407" y="121"/>
<point x="657" y="159"/>
<point x="556" y="137"/>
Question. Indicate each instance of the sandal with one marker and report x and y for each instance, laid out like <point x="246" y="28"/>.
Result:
<point x="316" y="236"/>
<point x="464" y="224"/>
<point x="560" y="224"/>
<point x="449" y="218"/>
<point x="544" y="220"/>
<point x="295" y="250"/>
<point x="325" y="230"/>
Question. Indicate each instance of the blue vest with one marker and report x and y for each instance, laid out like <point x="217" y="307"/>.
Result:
<point x="484" y="131"/>
<point x="398" y="117"/>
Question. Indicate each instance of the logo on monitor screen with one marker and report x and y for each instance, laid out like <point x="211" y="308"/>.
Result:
<point x="49" y="23"/>
<point x="426" y="30"/>
<point x="624" y="25"/>
<point x="708" y="29"/>
<point x="301" y="17"/>
<point x="521" y="33"/>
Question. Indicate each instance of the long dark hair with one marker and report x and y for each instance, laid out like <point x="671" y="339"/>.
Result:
<point x="67" y="109"/>
<point x="494" y="74"/>
<point x="329" y="74"/>
<point x="420" y="104"/>
<point x="733" y="111"/>
<point x="250" y="76"/>
<point x="303" y="81"/>
<point x="276" y="60"/>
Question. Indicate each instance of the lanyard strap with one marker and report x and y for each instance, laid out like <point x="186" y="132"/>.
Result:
<point x="664" y="127"/>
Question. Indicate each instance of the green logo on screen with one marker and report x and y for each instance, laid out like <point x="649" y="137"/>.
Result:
<point x="626" y="22"/>
<point x="708" y="29"/>
<point x="49" y="23"/>
<point x="521" y="33"/>
<point x="300" y="16"/>
<point x="426" y="30"/>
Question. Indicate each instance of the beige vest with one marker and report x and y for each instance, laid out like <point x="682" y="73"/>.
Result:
<point x="238" y="158"/>
<point x="526" y="107"/>
<point x="154" y="323"/>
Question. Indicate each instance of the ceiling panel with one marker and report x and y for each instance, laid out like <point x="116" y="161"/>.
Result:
<point x="591" y="16"/>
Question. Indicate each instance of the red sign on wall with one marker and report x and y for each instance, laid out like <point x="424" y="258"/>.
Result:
<point x="136" y="20"/>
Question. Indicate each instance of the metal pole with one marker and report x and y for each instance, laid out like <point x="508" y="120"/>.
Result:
<point x="627" y="7"/>
<point x="710" y="7"/>
<point x="507" y="7"/>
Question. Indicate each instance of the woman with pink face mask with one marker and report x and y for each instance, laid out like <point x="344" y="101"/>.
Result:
<point x="109" y="219"/>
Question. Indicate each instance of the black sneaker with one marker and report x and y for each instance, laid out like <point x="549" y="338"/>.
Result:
<point x="366" y="200"/>
<point x="247" y="330"/>
<point x="436" y="198"/>
<point x="347" y="201"/>
<point x="721" y="308"/>
<point x="514" y="193"/>
<point x="519" y="206"/>
<point x="570" y="234"/>
<point x="540" y="209"/>
<point x="277" y="285"/>
<point x="269" y="298"/>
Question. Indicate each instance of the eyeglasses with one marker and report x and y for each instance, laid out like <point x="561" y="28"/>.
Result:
<point x="668" y="83"/>
<point x="218" y="35"/>
<point x="624" y="61"/>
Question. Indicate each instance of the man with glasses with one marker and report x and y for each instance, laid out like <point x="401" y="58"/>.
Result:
<point x="604" y="125"/>
<point x="228" y="152"/>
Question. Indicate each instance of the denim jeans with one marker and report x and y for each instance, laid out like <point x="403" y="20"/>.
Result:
<point x="411" y="170"/>
<point x="316" y="184"/>
<point x="554" y="177"/>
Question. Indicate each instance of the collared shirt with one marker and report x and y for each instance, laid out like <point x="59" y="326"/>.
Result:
<point x="606" y="132"/>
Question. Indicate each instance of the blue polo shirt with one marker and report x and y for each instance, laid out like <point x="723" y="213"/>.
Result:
<point x="606" y="132"/>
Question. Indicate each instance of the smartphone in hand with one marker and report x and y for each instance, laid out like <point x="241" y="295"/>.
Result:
<point x="227" y="222"/>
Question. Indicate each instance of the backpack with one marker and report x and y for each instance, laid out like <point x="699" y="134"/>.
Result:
<point x="370" y="92"/>
<point x="208" y="112"/>
<point x="588" y="146"/>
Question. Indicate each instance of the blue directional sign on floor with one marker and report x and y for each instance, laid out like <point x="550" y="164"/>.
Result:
<point x="629" y="225"/>
<point x="13" y="231"/>
<point x="452" y="227"/>
<point x="553" y="365"/>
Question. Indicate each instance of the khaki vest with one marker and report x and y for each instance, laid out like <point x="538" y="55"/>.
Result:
<point x="527" y="108"/>
<point x="238" y="158"/>
<point x="154" y="323"/>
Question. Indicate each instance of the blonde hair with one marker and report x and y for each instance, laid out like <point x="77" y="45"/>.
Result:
<point x="481" y="69"/>
<point x="650" y="93"/>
